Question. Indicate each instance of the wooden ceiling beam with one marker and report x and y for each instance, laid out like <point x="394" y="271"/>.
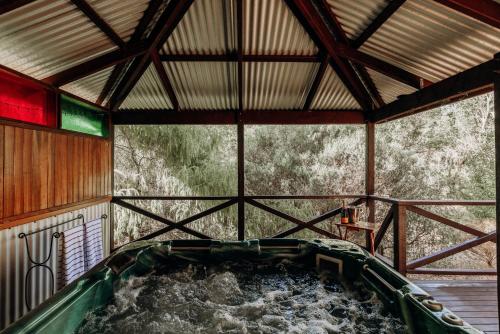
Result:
<point x="166" y="24"/>
<point x="303" y="11"/>
<point x="244" y="58"/>
<point x="374" y="25"/>
<point x="97" y="64"/>
<point x="139" y="32"/>
<point x="316" y="83"/>
<point x="93" y="16"/>
<point x="474" y="81"/>
<point x="160" y="116"/>
<point x="340" y="35"/>
<point x="486" y="11"/>
<point x="164" y="79"/>
<point x="10" y="5"/>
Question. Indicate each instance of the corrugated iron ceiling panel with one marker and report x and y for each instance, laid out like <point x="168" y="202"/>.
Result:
<point x="355" y="16"/>
<point x="204" y="85"/>
<point x="209" y="27"/>
<point x="48" y="36"/>
<point x="122" y="15"/>
<point x="271" y="28"/>
<point x="277" y="85"/>
<point x="89" y="87"/>
<point x="148" y="93"/>
<point x="389" y="88"/>
<point x="332" y="94"/>
<point x="433" y="41"/>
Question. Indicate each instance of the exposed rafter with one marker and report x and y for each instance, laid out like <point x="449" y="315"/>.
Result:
<point x="10" y="5"/>
<point x="164" y="79"/>
<point x="99" y="22"/>
<point x="474" y="81"/>
<point x="97" y="64"/>
<point x="486" y="11"/>
<point x="337" y="49"/>
<point x="317" y="81"/>
<point x="244" y="58"/>
<point x="346" y="74"/>
<point x="383" y="16"/>
<point x="164" y="27"/>
<point x="139" y="32"/>
<point x="162" y="116"/>
<point x="340" y="35"/>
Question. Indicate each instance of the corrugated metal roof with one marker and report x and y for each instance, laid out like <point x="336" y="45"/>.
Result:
<point x="355" y="16"/>
<point x="277" y="85"/>
<point x="389" y="88"/>
<point x="271" y="28"/>
<point x="122" y="15"/>
<point x="204" y="85"/>
<point x="207" y="28"/>
<point x="89" y="87"/>
<point x="332" y="94"/>
<point x="433" y="41"/>
<point x="148" y="93"/>
<point x="47" y="36"/>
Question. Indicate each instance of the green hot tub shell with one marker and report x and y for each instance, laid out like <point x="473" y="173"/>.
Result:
<point x="66" y="310"/>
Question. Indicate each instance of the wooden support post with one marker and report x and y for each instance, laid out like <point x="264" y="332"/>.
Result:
<point x="241" y="181"/>
<point x="112" y="190"/>
<point x="496" y="89"/>
<point x="399" y="232"/>
<point x="370" y="174"/>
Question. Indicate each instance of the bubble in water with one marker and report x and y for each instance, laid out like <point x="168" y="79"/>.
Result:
<point x="241" y="297"/>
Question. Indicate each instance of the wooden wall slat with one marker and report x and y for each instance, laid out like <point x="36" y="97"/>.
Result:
<point x="51" y="171"/>
<point x="18" y="171"/>
<point x="41" y="170"/>
<point x="36" y="178"/>
<point x="27" y="163"/>
<point x="2" y="145"/>
<point x="8" y="194"/>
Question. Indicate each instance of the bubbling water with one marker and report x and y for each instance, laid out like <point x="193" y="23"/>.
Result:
<point x="241" y="297"/>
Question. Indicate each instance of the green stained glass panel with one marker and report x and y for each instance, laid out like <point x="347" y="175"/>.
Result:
<point x="82" y="117"/>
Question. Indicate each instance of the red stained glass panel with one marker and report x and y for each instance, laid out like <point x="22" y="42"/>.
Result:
<point x="23" y="100"/>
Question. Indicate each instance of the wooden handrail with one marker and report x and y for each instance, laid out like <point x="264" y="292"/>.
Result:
<point x="397" y="214"/>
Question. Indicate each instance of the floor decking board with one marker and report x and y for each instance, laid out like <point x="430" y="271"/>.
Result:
<point x="475" y="301"/>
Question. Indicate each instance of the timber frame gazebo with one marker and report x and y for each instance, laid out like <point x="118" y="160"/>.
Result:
<point x="230" y="62"/>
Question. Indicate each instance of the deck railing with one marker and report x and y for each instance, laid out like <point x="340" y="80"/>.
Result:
<point x="397" y="216"/>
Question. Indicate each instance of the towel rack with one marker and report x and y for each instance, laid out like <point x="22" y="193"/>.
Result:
<point x="43" y="263"/>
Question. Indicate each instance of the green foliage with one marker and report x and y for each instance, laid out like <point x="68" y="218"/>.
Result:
<point x="446" y="153"/>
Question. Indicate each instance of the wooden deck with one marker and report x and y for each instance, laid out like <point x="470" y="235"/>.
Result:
<point x="473" y="301"/>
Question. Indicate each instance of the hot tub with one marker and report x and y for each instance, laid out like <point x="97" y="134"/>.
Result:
<point x="69" y="308"/>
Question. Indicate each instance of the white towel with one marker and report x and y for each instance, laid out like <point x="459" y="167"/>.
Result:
<point x="93" y="243"/>
<point x="71" y="255"/>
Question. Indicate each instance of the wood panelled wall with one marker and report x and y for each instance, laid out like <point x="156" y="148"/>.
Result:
<point x="42" y="170"/>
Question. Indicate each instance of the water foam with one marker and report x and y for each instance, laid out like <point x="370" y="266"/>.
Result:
<point x="241" y="298"/>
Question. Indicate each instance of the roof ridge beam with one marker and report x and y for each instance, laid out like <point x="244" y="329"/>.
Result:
<point x="139" y="31"/>
<point x="166" y="24"/>
<point x="310" y="22"/>
<point x="93" y="16"/>
<point x="340" y="34"/>
<point x="164" y="79"/>
<point x="377" y="22"/>
<point x="486" y="11"/>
